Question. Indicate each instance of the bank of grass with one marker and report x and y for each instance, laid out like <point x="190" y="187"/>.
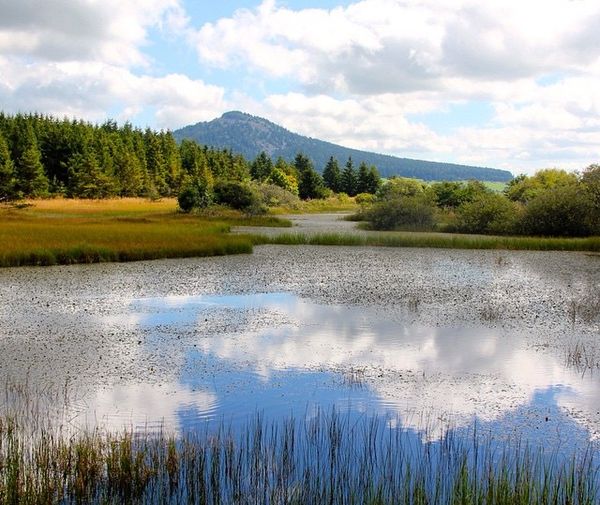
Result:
<point x="61" y="231"/>
<point x="334" y="203"/>
<point x="434" y="240"/>
<point x="329" y="458"/>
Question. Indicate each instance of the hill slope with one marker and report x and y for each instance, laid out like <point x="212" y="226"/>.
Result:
<point x="249" y="135"/>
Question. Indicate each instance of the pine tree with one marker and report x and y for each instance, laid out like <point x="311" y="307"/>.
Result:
<point x="332" y="176"/>
<point x="310" y="184"/>
<point x="349" y="181"/>
<point x="156" y="163"/>
<point x="373" y="180"/>
<point x="7" y="173"/>
<point x="87" y="179"/>
<point x="31" y="179"/>
<point x="362" y="183"/>
<point x="261" y="167"/>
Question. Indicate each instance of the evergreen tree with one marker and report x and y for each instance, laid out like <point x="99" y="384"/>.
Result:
<point x="373" y="181"/>
<point x="332" y="175"/>
<point x="156" y="163"/>
<point x="349" y="180"/>
<point x="128" y="172"/>
<point x="7" y="173"/>
<point x="310" y="184"/>
<point x="362" y="181"/>
<point x="87" y="179"/>
<point x="261" y="167"/>
<point x="173" y="162"/>
<point x="31" y="179"/>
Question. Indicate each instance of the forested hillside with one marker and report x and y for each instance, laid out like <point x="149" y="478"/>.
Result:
<point x="250" y="135"/>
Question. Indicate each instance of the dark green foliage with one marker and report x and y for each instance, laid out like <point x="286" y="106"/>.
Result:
<point x="368" y="179"/>
<point x="249" y="135"/>
<point x="261" y="167"/>
<point x="559" y="212"/>
<point x="7" y="173"/>
<point x="332" y="176"/>
<point x="415" y="212"/>
<point x="234" y="194"/>
<point x="87" y="180"/>
<point x="31" y="179"/>
<point x="450" y="194"/>
<point x="310" y="183"/>
<point x="488" y="213"/>
<point x="195" y="193"/>
<point x="447" y="194"/>
<point x="51" y="156"/>
<point x="349" y="179"/>
<point x="590" y="180"/>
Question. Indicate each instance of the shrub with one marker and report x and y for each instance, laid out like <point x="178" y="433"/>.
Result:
<point x="365" y="198"/>
<point x="559" y="211"/>
<point x="409" y="212"/>
<point x="488" y="213"/>
<point x="274" y="196"/>
<point x="194" y="194"/>
<point x="236" y="195"/>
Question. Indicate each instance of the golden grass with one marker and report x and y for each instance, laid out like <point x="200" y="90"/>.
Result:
<point x="60" y="231"/>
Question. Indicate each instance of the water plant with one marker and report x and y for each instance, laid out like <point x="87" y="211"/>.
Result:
<point x="327" y="457"/>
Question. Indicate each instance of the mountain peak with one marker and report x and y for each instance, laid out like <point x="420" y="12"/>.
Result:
<point x="249" y="135"/>
<point x="236" y="114"/>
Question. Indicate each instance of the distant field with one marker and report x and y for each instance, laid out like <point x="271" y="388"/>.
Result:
<point x="48" y="232"/>
<point x="495" y="186"/>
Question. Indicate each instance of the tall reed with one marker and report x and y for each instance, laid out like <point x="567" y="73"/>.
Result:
<point x="329" y="458"/>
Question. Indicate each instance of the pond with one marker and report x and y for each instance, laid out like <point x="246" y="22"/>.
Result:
<point x="425" y="339"/>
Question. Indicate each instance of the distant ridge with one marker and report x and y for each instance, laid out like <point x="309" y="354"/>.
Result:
<point x="249" y="135"/>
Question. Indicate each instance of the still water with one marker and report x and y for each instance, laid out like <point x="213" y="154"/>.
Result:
<point x="283" y="356"/>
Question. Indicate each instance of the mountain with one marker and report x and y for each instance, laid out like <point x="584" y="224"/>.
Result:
<point x="249" y="135"/>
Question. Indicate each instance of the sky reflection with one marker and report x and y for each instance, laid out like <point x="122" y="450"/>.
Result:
<point x="283" y="356"/>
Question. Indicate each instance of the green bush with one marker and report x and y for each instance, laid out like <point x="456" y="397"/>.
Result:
<point x="559" y="212"/>
<point x="406" y="213"/>
<point x="488" y="213"/>
<point x="194" y="194"/>
<point x="236" y="195"/>
<point x="273" y="195"/>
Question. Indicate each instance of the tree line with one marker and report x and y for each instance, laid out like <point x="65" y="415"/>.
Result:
<point x="551" y="202"/>
<point x="42" y="156"/>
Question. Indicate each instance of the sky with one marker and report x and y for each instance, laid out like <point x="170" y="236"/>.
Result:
<point x="508" y="84"/>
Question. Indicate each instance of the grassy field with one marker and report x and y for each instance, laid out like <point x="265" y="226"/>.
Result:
<point x="48" y="232"/>
<point x="60" y="231"/>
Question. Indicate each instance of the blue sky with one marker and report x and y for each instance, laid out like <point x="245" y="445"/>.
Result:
<point x="501" y="83"/>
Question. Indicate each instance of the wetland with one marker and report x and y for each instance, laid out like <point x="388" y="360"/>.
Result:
<point x="435" y="344"/>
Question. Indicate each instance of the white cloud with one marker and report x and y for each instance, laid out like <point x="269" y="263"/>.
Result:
<point x="91" y="90"/>
<point x="363" y="70"/>
<point x="80" y="58"/>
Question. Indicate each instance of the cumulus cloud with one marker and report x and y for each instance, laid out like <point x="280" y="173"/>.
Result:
<point x="92" y="90"/>
<point x="379" y="46"/>
<point x="86" y="59"/>
<point x="364" y="71"/>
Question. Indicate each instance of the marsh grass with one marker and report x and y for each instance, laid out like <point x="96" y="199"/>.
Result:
<point x="51" y="232"/>
<point x="435" y="240"/>
<point x="583" y="357"/>
<point x="327" y="458"/>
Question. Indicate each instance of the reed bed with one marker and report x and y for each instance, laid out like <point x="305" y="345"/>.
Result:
<point x="50" y="232"/>
<point x="328" y="458"/>
<point x="435" y="240"/>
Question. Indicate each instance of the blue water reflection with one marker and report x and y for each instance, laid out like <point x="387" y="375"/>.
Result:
<point x="283" y="356"/>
